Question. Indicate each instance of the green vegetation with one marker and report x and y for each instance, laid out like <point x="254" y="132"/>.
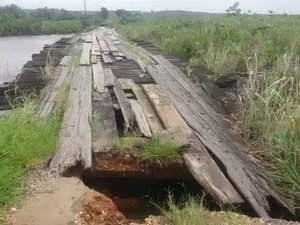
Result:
<point x="267" y="48"/>
<point x="16" y="21"/>
<point x="155" y="150"/>
<point x="25" y="141"/>
<point x="192" y="212"/>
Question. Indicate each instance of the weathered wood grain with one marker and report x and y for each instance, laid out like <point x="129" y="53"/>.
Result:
<point x="220" y="142"/>
<point x="98" y="77"/>
<point x="104" y="127"/>
<point x="85" y="55"/>
<point x="125" y="83"/>
<point x="153" y="121"/>
<point x="109" y="78"/>
<point x="93" y="59"/>
<point x="125" y="107"/>
<point x="198" y="160"/>
<point x="140" y="119"/>
<point x="74" y="144"/>
<point x="107" y="59"/>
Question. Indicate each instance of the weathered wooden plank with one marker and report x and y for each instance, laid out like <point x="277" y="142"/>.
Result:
<point x="109" y="78"/>
<point x="98" y="77"/>
<point x="111" y="45"/>
<point x="153" y="121"/>
<point x="165" y="110"/>
<point x="140" y="119"/>
<point x="94" y="39"/>
<point x="96" y="50"/>
<point x="103" y="46"/>
<point x="93" y="59"/>
<point x="104" y="123"/>
<point x="49" y="94"/>
<point x="197" y="158"/>
<point x="75" y="143"/>
<point x="223" y="144"/>
<point x="125" y="107"/>
<point x="107" y="59"/>
<point x="88" y="38"/>
<point x="125" y="83"/>
<point x="85" y="55"/>
<point x="66" y="60"/>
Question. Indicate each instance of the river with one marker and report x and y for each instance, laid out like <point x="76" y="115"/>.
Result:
<point x="16" y="51"/>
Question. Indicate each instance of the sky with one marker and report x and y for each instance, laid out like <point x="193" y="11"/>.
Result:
<point x="214" y="6"/>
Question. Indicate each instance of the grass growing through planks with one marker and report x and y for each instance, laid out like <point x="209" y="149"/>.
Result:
<point x="155" y="150"/>
<point x="160" y="149"/>
<point x="25" y="141"/>
<point x="192" y="212"/>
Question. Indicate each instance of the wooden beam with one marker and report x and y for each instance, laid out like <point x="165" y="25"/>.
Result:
<point x="104" y="123"/>
<point x="221" y="142"/>
<point x="107" y="59"/>
<point x="74" y="143"/>
<point x="125" y="107"/>
<point x="153" y="121"/>
<point x="109" y="78"/>
<point x="140" y="119"/>
<point x="98" y="77"/>
<point x="85" y="55"/>
<point x="200" y="163"/>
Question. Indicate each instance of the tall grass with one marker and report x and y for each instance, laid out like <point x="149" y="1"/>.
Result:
<point x="220" y="45"/>
<point x="25" y="141"/>
<point x="271" y="117"/>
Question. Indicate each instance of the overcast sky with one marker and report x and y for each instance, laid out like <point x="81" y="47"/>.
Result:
<point x="259" y="6"/>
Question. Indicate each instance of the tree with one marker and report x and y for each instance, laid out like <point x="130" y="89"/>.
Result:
<point x="104" y="13"/>
<point x="234" y="9"/>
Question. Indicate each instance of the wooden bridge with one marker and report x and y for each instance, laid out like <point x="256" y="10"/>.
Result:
<point x="137" y="87"/>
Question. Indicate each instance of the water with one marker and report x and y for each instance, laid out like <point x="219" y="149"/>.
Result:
<point x="16" y="51"/>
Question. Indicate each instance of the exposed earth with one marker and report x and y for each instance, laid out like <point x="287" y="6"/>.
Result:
<point x="67" y="201"/>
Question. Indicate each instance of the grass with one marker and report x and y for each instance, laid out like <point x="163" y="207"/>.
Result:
<point x="155" y="150"/>
<point x="25" y="141"/>
<point x="192" y="212"/>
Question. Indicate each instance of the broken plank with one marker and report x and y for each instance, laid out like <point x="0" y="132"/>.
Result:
<point x="197" y="158"/>
<point x="107" y="59"/>
<point x="140" y="119"/>
<point x="109" y="78"/>
<point x="98" y="77"/>
<point x="104" y="123"/>
<point x="153" y="121"/>
<point x="74" y="144"/>
<point x="222" y="143"/>
<point x="85" y="55"/>
<point x="125" y="107"/>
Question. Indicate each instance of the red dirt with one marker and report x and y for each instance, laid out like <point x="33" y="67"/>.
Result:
<point x="97" y="209"/>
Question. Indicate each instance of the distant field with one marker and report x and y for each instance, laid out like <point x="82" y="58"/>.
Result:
<point x="265" y="48"/>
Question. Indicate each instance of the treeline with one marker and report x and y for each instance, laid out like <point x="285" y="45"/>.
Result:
<point x="17" y="21"/>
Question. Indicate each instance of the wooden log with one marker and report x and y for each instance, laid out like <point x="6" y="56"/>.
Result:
<point x="49" y="94"/>
<point x="107" y="59"/>
<point x="74" y="144"/>
<point x="66" y="60"/>
<point x="104" y="123"/>
<point x="125" y="107"/>
<point x="98" y="77"/>
<point x="85" y="55"/>
<point x="140" y="119"/>
<point x="223" y="144"/>
<point x="153" y="121"/>
<point x="109" y="78"/>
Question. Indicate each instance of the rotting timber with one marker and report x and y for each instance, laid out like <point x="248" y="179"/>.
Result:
<point x="118" y="88"/>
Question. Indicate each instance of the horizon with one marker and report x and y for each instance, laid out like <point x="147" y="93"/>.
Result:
<point x="205" y="6"/>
